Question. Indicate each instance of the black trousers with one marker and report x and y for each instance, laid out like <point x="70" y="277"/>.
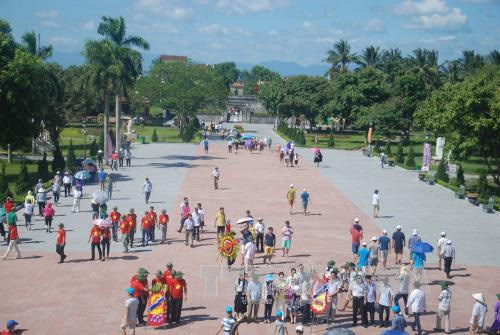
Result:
<point x="176" y="310"/>
<point x="358" y="305"/>
<point x="306" y="314"/>
<point x="370" y="309"/>
<point x="98" y="246"/>
<point x="381" y="310"/>
<point x="67" y="189"/>
<point x="447" y="264"/>
<point x="260" y="241"/>
<point x="60" y="251"/>
<point x="140" y="309"/>
<point x="105" y="245"/>
<point x="131" y="235"/>
<point x="405" y="300"/>
<point x="196" y="233"/>
<point x="268" y="307"/>
<point x="169" y="309"/>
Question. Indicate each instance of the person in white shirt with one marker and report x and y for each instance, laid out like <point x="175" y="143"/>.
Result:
<point x="441" y="244"/>
<point x="478" y="314"/>
<point x="334" y="286"/>
<point x="443" y="308"/>
<point x="249" y="254"/>
<point x="216" y="175"/>
<point x="254" y="291"/>
<point x="197" y="223"/>
<point x="358" y="291"/>
<point x="189" y="224"/>
<point x="376" y="203"/>
<point x="147" y="188"/>
<point x="67" y="181"/>
<point x="28" y="213"/>
<point x="371" y="298"/>
<point x="416" y="301"/>
<point x="386" y="294"/>
<point x="201" y="213"/>
<point x="259" y="229"/>
<point x="130" y="319"/>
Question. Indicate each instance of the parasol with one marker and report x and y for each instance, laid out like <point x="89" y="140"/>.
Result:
<point x="100" y="197"/>
<point x="422" y="247"/>
<point x="340" y="331"/>
<point x="247" y="136"/>
<point x="315" y="150"/>
<point x="244" y="220"/>
<point x="82" y="175"/>
<point x="88" y="161"/>
<point x="394" y="332"/>
<point x="103" y="223"/>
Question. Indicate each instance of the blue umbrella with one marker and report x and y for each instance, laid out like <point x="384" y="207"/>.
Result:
<point x="82" y="175"/>
<point x="393" y="332"/>
<point x="88" y="161"/>
<point x="247" y="136"/>
<point x="422" y="247"/>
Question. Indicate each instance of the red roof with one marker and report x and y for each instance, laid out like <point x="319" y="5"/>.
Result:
<point x="173" y="58"/>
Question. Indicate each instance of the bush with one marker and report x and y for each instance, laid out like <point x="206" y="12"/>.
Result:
<point x="43" y="168"/>
<point x="23" y="182"/>
<point x="400" y="156"/>
<point x="410" y="160"/>
<point x="70" y="157"/>
<point x="460" y="176"/>
<point x="300" y="137"/>
<point x="376" y="148"/>
<point x="93" y="148"/>
<point x="482" y="185"/>
<point x="331" y="141"/>
<point x="387" y="149"/>
<point x="154" y="137"/>
<point x="58" y="163"/>
<point x="4" y="184"/>
<point x="441" y="171"/>
<point x="100" y="140"/>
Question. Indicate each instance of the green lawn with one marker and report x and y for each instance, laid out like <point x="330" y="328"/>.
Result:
<point x="350" y="141"/>
<point x="12" y="171"/>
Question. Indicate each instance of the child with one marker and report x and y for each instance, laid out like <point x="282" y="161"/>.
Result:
<point x="398" y="321"/>
<point x="280" y="324"/>
<point x="228" y="323"/>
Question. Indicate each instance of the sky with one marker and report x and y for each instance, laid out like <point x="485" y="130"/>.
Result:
<point x="251" y="31"/>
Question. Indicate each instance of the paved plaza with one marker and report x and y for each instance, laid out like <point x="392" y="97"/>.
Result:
<point x="88" y="297"/>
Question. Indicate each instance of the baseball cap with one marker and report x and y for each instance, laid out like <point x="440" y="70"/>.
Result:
<point x="11" y="324"/>
<point x="443" y="233"/>
<point x="356" y="219"/>
<point x="415" y="232"/>
<point x="396" y="309"/>
<point x="279" y="313"/>
<point x="374" y="238"/>
<point x="448" y="242"/>
<point x="291" y="185"/>
<point x="300" y="328"/>
<point x="130" y="290"/>
<point x="229" y="309"/>
<point x="364" y="243"/>
<point x="398" y="226"/>
<point x="384" y="231"/>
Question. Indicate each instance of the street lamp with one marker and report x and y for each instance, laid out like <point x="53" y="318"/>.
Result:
<point x="84" y="132"/>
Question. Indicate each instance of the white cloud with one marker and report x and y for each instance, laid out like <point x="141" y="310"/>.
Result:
<point x="89" y="25"/>
<point x="442" y="39"/>
<point x="138" y="16"/>
<point x="482" y="1"/>
<point x="325" y="40"/>
<point x="375" y="25"/>
<point x="241" y="7"/>
<point x="408" y="7"/>
<point x="155" y="27"/>
<point x="272" y="33"/>
<point x="215" y="29"/>
<point x="49" y="23"/>
<point x="217" y="46"/>
<point x="172" y="9"/>
<point x="449" y="21"/>
<point x="47" y="14"/>
<point x="62" y="40"/>
<point x="307" y="24"/>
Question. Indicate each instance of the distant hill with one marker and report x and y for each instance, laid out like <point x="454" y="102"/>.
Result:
<point x="285" y="68"/>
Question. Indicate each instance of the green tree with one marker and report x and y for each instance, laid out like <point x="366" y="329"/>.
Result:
<point x="154" y="137"/>
<point x="400" y="158"/>
<point x="371" y="56"/>
<point x="482" y="185"/>
<point x="331" y="141"/>
<point x="410" y="160"/>
<point x="58" y="163"/>
<point x="70" y="157"/>
<point x="472" y="61"/>
<point x="441" y="173"/>
<point x="340" y="57"/>
<point x="258" y="74"/>
<point x="460" y="176"/>
<point x="93" y="148"/>
<point x="228" y="72"/>
<point x="387" y="149"/>
<point x="29" y="44"/>
<point x="4" y="185"/>
<point x="23" y="181"/>
<point x="43" y="168"/>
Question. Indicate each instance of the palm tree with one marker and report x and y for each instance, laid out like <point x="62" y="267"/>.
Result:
<point x="371" y="57"/>
<point x="127" y="62"/>
<point x="31" y="46"/>
<point x="494" y="57"/>
<point x="471" y="61"/>
<point x="392" y="62"/>
<point x="340" y="56"/>
<point x="424" y="62"/>
<point x="453" y="70"/>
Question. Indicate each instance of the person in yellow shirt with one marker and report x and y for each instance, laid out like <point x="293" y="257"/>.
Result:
<point x="291" y="197"/>
<point x="220" y="222"/>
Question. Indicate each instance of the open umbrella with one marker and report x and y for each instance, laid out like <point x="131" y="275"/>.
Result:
<point x="247" y="136"/>
<point x="422" y="247"/>
<point x="88" y="161"/>
<point x="82" y="175"/>
<point x="340" y="331"/>
<point x="244" y="220"/>
<point x="100" y="197"/>
<point x="103" y="223"/>
<point x="393" y="332"/>
<point x="315" y="150"/>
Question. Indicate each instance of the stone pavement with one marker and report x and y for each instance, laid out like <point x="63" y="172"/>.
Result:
<point x="88" y="297"/>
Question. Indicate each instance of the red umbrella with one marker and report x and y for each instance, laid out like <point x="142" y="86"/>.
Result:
<point x="315" y="150"/>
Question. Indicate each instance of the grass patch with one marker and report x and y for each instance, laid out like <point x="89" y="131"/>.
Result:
<point x="343" y="141"/>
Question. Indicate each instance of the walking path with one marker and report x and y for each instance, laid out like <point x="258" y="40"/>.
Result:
<point x="89" y="296"/>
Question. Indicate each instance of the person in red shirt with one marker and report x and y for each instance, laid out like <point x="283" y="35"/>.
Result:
<point x="95" y="237"/>
<point x="132" y="220"/>
<point x="159" y="281"/>
<point x="11" y="328"/>
<point x="105" y="242"/>
<point x="115" y="220"/>
<point x="139" y="283"/>
<point x="13" y="242"/>
<point x="125" y="230"/>
<point x="8" y="205"/>
<point x="61" y="242"/>
<point x="146" y="228"/>
<point x="167" y="275"/>
<point x="163" y="221"/>
<point x="114" y="161"/>
<point x="154" y="221"/>
<point x="178" y="291"/>
<point x="356" y="237"/>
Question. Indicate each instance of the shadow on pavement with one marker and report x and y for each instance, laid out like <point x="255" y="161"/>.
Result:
<point x="190" y="158"/>
<point x="172" y="165"/>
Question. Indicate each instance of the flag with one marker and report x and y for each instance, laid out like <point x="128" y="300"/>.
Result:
<point x="157" y="315"/>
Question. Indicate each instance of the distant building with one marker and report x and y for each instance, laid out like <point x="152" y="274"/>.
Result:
<point x="173" y="58"/>
<point x="237" y="88"/>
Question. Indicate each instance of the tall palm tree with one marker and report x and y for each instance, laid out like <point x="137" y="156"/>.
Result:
<point x="30" y="45"/>
<point x="392" y="62"/>
<point x="127" y="64"/>
<point x="494" y="57"/>
<point x="472" y="61"/>
<point x="371" y="57"/>
<point x="453" y="70"/>
<point x="424" y="62"/>
<point x="340" y="57"/>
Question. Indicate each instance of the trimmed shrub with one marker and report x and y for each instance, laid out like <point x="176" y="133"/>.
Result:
<point x="331" y="141"/>
<point x="376" y="148"/>
<point x="441" y="171"/>
<point x="70" y="157"/>
<point x="43" y="168"/>
<point x="400" y="156"/>
<point x="410" y="160"/>
<point x="4" y="185"/>
<point x="154" y="137"/>
<point x="23" y="179"/>
<point x="460" y="176"/>
<point x="387" y="149"/>
<point x="58" y="163"/>
<point x="482" y="185"/>
<point x="93" y="148"/>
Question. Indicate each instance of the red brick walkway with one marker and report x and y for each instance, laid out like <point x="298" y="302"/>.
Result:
<point x="88" y="297"/>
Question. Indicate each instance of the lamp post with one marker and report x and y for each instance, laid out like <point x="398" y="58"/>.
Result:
<point x="84" y="132"/>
